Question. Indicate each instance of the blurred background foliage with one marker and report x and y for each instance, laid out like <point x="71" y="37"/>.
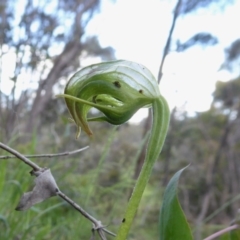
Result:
<point x="48" y="43"/>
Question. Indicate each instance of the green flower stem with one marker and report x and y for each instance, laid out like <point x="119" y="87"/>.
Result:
<point x="156" y="141"/>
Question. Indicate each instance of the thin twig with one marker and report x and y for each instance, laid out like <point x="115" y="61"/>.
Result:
<point x="160" y="75"/>
<point x="110" y="233"/>
<point x="21" y="157"/>
<point x="97" y="224"/>
<point x="169" y="39"/>
<point x="48" y="155"/>
<point x="221" y="232"/>
<point x="101" y="234"/>
<point x="77" y="207"/>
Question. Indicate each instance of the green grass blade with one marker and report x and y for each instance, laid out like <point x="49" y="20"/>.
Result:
<point x="173" y="224"/>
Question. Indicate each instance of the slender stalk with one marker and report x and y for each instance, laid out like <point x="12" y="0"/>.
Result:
<point x="221" y="232"/>
<point x="223" y="207"/>
<point x="156" y="141"/>
<point x="160" y="75"/>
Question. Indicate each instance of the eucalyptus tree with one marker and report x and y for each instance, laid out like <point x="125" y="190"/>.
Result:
<point x="42" y="42"/>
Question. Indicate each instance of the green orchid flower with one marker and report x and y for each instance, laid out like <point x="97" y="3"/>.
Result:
<point x="118" y="89"/>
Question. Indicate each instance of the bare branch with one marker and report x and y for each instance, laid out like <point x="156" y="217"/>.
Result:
<point x="21" y="157"/>
<point x="169" y="39"/>
<point x="77" y="207"/>
<point x="110" y="233"/>
<point x="48" y="155"/>
<point x="36" y="171"/>
<point x="97" y="224"/>
<point x="101" y="234"/>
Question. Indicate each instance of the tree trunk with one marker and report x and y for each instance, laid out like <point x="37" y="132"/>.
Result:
<point x="44" y="92"/>
<point x="70" y="53"/>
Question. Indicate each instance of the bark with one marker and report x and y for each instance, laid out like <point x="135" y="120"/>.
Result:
<point x="44" y="92"/>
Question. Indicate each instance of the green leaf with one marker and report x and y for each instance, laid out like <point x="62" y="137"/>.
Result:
<point x="173" y="224"/>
